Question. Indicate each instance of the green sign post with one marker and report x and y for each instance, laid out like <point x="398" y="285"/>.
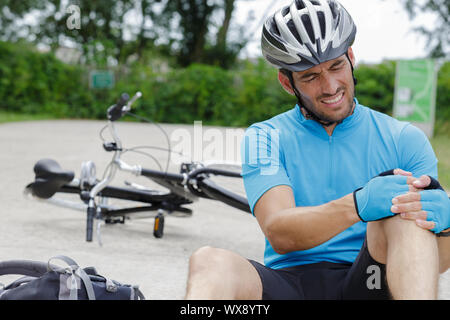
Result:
<point x="99" y="79"/>
<point x="415" y="93"/>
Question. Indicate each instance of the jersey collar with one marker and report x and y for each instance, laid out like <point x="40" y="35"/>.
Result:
<point x="342" y="129"/>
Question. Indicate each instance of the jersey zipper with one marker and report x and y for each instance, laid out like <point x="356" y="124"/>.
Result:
<point x="330" y="164"/>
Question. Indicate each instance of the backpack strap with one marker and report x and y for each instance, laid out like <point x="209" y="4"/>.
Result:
<point x="74" y="270"/>
<point x="136" y="293"/>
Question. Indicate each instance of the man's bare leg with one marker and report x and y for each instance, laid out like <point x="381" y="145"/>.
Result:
<point x="444" y="253"/>
<point x="220" y="274"/>
<point x="410" y="254"/>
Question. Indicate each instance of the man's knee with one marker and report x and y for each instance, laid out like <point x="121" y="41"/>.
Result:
<point x="207" y="259"/>
<point x="394" y="229"/>
<point x="224" y="273"/>
<point x="398" y="228"/>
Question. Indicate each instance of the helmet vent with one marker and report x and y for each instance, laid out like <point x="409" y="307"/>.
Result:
<point x="308" y="26"/>
<point x="300" y="5"/>
<point x="275" y="29"/>
<point x="268" y="34"/>
<point x="321" y="17"/>
<point x="334" y="9"/>
<point x="294" y="31"/>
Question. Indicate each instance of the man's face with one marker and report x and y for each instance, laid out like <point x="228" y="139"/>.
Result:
<point x="328" y="88"/>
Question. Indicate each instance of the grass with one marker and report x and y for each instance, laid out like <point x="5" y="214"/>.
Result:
<point x="440" y="143"/>
<point x="441" y="146"/>
<point x="14" y="117"/>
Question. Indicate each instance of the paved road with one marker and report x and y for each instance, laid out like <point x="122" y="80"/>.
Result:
<point x="130" y="253"/>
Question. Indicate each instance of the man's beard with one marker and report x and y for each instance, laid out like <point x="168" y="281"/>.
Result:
<point x="336" y="119"/>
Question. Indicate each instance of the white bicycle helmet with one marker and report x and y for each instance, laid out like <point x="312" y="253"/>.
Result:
<point x="307" y="33"/>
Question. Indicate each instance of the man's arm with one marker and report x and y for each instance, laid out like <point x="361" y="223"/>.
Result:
<point x="270" y="196"/>
<point x="290" y="228"/>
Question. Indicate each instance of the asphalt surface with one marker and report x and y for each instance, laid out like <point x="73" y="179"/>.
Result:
<point x="36" y="230"/>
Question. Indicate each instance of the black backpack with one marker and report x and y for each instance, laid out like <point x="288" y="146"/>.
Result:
<point x="45" y="281"/>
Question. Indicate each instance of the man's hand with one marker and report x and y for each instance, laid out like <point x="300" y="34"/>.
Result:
<point x="430" y="209"/>
<point x="373" y="201"/>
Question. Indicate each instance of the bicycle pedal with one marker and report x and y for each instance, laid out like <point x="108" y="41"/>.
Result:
<point x="158" y="227"/>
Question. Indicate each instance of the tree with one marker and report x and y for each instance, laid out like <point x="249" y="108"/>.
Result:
<point x="101" y="34"/>
<point x="194" y="17"/>
<point x="438" y="34"/>
<point x="201" y="40"/>
<point x="12" y="12"/>
<point x="119" y="29"/>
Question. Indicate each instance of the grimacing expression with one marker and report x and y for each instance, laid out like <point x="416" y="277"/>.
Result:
<point x="328" y="88"/>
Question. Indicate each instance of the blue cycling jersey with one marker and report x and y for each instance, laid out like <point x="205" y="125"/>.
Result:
<point x="291" y="150"/>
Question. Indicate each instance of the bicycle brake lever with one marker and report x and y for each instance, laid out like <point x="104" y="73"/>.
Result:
<point x="111" y="146"/>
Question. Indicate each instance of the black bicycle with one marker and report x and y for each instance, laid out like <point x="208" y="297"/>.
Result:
<point x="191" y="183"/>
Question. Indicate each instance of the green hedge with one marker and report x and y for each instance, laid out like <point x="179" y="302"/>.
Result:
<point x="33" y="82"/>
<point x="376" y="84"/>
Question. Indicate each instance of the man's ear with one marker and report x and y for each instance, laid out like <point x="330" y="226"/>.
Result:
<point x="351" y="55"/>
<point x="285" y="83"/>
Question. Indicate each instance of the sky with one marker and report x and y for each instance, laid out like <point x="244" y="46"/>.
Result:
<point x="384" y="30"/>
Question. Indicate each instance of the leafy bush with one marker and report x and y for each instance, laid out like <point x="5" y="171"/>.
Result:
<point x="259" y="94"/>
<point x="376" y="85"/>
<point x="198" y="92"/>
<point x="35" y="83"/>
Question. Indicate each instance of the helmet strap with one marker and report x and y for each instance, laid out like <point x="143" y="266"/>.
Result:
<point x="355" y="81"/>
<point x="308" y="113"/>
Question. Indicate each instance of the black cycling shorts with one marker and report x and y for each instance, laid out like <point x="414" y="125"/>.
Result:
<point x="364" y="279"/>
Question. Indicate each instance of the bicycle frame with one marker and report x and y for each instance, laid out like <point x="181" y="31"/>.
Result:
<point x="185" y="187"/>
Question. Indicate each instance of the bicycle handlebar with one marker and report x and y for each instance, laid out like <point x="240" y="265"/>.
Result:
<point x="123" y="105"/>
<point x="175" y="177"/>
<point x="218" y="172"/>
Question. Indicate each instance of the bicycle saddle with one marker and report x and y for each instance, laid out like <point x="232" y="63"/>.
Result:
<point x="49" y="177"/>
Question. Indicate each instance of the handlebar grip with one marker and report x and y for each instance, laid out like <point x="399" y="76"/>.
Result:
<point x="115" y="111"/>
<point x="123" y="100"/>
<point x="90" y="223"/>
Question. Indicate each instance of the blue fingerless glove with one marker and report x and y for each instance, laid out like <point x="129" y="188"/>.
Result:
<point x="374" y="200"/>
<point x="437" y="205"/>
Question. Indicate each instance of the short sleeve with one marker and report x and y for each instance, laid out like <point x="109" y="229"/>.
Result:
<point x="262" y="162"/>
<point x="416" y="153"/>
